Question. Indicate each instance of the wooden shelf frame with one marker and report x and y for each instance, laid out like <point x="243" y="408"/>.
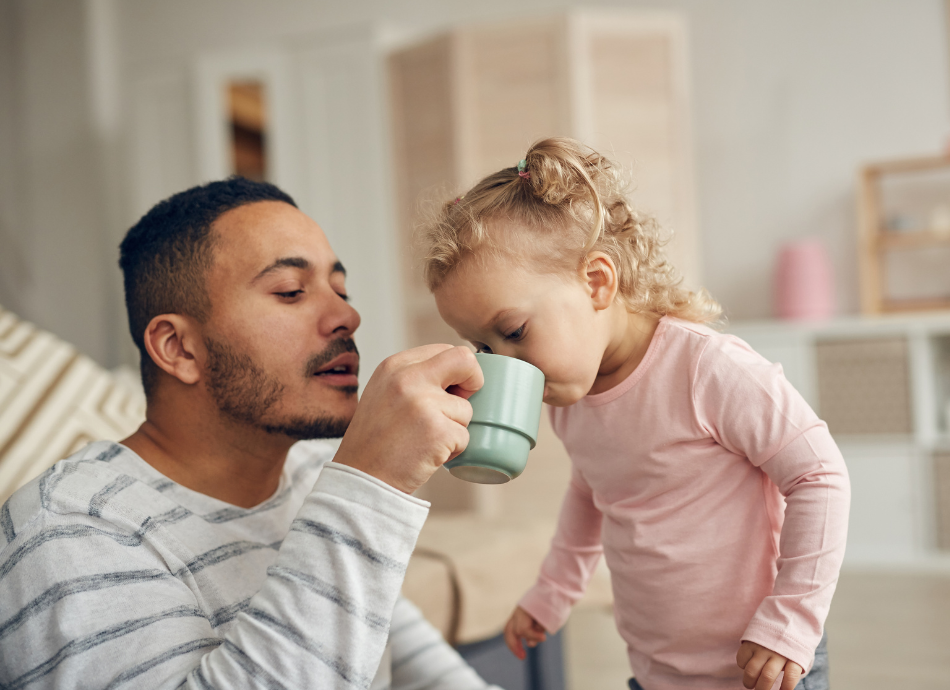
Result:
<point x="875" y="240"/>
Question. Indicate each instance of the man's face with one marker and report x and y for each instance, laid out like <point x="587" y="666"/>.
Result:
<point x="280" y="350"/>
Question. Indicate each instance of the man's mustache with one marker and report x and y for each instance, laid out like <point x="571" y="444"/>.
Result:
<point x="334" y="350"/>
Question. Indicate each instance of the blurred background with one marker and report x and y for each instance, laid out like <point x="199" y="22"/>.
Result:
<point x="797" y="150"/>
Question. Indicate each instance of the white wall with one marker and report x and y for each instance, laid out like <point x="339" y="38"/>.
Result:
<point x="56" y="260"/>
<point x="12" y="264"/>
<point x="790" y="97"/>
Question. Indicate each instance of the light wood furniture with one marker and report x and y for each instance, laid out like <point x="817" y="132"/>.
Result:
<point x="471" y="101"/>
<point x="878" y="243"/>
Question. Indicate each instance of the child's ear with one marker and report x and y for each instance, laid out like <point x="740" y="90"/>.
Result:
<point x="600" y="275"/>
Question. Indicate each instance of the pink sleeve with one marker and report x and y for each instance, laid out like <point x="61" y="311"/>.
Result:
<point x="751" y="409"/>
<point x="570" y="563"/>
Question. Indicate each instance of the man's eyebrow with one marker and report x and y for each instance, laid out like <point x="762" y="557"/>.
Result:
<point x="338" y="268"/>
<point x="285" y="262"/>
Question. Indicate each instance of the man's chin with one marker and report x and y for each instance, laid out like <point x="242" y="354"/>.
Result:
<point x="309" y="429"/>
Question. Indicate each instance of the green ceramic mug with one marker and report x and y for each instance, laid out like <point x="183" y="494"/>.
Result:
<point x="506" y="413"/>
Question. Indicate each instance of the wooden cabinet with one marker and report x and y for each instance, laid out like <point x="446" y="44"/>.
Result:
<point x="470" y="101"/>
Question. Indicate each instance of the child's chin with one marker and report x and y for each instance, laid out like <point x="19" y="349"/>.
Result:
<point x="555" y="400"/>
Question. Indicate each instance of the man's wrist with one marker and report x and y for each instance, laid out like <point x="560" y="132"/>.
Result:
<point x="376" y="480"/>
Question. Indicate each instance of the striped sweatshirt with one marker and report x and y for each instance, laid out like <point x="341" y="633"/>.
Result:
<point x="113" y="576"/>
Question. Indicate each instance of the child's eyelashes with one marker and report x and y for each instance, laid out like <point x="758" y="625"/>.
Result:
<point x="514" y="336"/>
<point x="517" y="334"/>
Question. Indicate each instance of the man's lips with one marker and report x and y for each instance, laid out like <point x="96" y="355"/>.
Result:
<point x="341" y="370"/>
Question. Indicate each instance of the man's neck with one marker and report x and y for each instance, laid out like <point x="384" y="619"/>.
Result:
<point x="234" y="463"/>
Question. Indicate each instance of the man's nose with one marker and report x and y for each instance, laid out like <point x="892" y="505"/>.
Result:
<point x="341" y="317"/>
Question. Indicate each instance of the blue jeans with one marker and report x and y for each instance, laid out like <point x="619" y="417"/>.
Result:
<point x="817" y="678"/>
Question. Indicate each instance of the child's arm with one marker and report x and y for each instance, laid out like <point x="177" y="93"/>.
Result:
<point x="752" y="410"/>
<point x="575" y="551"/>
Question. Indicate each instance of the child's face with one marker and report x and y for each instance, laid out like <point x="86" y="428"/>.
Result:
<point x="503" y="307"/>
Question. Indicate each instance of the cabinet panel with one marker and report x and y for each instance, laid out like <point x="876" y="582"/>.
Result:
<point x="864" y="386"/>
<point x="423" y="134"/>
<point x="942" y="498"/>
<point x="516" y="90"/>
<point x="639" y="116"/>
<point x="883" y="525"/>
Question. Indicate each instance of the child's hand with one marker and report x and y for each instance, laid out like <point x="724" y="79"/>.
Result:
<point x="762" y="667"/>
<point x="522" y="626"/>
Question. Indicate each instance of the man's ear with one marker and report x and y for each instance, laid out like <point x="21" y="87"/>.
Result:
<point x="600" y="275"/>
<point x="172" y="341"/>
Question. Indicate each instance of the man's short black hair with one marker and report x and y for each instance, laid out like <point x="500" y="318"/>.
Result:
<point x="166" y="255"/>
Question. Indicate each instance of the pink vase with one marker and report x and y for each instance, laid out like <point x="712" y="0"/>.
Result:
<point x="804" y="281"/>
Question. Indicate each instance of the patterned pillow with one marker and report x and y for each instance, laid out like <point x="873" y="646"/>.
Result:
<point x="53" y="401"/>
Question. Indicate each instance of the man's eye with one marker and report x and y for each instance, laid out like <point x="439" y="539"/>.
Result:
<point x="289" y="295"/>
<point x="516" y="335"/>
<point x="484" y="349"/>
<point x="345" y="297"/>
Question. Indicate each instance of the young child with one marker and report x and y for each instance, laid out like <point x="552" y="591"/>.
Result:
<point x="715" y="493"/>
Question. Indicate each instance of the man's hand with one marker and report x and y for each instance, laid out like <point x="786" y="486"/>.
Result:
<point x="522" y="625"/>
<point x="407" y="425"/>
<point x="762" y="667"/>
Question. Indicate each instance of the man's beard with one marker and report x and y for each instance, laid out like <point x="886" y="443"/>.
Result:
<point x="245" y="392"/>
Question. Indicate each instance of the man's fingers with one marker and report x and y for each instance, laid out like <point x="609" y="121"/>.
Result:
<point x="793" y="674"/>
<point x="457" y="409"/>
<point x="459" y="443"/>
<point x="419" y="354"/>
<point x="770" y="672"/>
<point x="457" y="368"/>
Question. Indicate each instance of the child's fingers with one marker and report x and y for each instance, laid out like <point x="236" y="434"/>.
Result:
<point x="533" y="632"/>
<point x="793" y="674"/>
<point x="534" y="638"/>
<point x="744" y="654"/>
<point x="754" y="667"/>
<point x="770" y="672"/>
<point x="513" y="640"/>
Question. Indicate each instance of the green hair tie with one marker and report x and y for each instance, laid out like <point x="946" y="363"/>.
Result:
<point x="522" y="164"/>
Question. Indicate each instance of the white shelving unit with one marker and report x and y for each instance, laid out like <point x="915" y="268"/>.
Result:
<point x="883" y="386"/>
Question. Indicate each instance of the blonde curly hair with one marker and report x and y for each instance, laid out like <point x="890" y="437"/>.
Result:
<point x="570" y="201"/>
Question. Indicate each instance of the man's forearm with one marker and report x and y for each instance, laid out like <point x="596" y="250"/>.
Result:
<point x="103" y="601"/>
<point x="322" y="618"/>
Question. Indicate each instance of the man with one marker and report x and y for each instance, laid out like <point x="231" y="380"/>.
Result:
<point x="202" y="552"/>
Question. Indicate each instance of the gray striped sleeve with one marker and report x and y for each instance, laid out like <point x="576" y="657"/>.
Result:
<point x="6" y="523"/>
<point x="137" y="616"/>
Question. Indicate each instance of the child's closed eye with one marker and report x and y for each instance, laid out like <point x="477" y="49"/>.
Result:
<point x="517" y="334"/>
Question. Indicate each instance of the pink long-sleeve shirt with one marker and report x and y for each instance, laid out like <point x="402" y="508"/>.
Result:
<point x="719" y="500"/>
